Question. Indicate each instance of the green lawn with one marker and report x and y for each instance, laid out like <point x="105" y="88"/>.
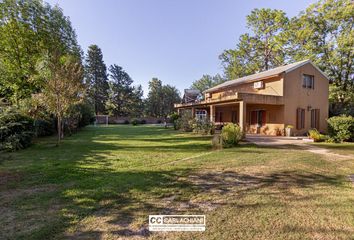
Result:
<point x="103" y="182"/>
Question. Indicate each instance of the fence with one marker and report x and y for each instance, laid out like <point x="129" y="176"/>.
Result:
<point x="104" y="119"/>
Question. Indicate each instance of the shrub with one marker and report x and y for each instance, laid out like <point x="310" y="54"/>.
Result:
<point x="202" y="126"/>
<point x="316" y="135"/>
<point x="134" y="121"/>
<point x="87" y="114"/>
<point x="16" y="130"/>
<point x="231" y="135"/>
<point x="44" y="127"/>
<point x="184" y="122"/>
<point x="341" y="128"/>
<point x="174" y="118"/>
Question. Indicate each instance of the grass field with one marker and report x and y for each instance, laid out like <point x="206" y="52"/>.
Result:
<point x="103" y="182"/>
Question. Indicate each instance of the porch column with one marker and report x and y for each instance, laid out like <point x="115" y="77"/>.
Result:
<point x="193" y="112"/>
<point x="242" y="115"/>
<point x="212" y="113"/>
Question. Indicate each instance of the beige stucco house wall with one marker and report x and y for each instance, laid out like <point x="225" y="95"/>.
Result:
<point x="295" y="96"/>
<point x="273" y="106"/>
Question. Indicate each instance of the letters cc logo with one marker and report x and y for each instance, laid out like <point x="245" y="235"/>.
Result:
<point x="156" y="220"/>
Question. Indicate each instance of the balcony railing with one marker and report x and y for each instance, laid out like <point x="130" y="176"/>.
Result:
<point x="236" y="96"/>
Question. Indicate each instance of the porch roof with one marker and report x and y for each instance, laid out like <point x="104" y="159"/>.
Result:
<point x="237" y="97"/>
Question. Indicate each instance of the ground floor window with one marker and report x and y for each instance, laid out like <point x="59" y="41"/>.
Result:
<point x="300" y="118"/>
<point x="218" y="117"/>
<point x="315" y="118"/>
<point x="258" y="117"/>
<point x="201" y="114"/>
<point x="234" y="117"/>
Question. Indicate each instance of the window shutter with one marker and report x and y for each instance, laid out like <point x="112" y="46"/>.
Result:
<point x="264" y="117"/>
<point x="318" y="119"/>
<point x="298" y="118"/>
<point x="302" y="118"/>
<point x="253" y="117"/>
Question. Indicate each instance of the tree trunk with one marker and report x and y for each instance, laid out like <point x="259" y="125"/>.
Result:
<point x="59" y="130"/>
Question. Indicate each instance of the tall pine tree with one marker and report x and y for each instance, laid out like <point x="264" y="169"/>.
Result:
<point x="124" y="99"/>
<point x="161" y="98"/>
<point x="96" y="79"/>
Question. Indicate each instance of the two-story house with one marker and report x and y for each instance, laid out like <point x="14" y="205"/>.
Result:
<point x="269" y="101"/>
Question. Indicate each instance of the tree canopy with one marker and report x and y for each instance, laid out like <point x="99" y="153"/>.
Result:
<point x="124" y="99"/>
<point x="28" y="31"/>
<point x="161" y="99"/>
<point x="96" y="78"/>
<point x="261" y="49"/>
<point x="207" y="81"/>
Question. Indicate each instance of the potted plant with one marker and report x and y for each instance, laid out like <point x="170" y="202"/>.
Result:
<point x="288" y="130"/>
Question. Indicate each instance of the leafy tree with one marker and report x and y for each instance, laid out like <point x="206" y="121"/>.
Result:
<point x="340" y="101"/>
<point x="64" y="86"/>
<point x="96" y="78"/>
<point x="161" y="99"/>
<point x="124" y="99"/>
<point x="136" y="102"/>
<point x="261" y="50"/>
<point x="207" y="81"/>
<point x="28" y="30"/>
<point x="170" y="96"/>
<point x="154" y="99"/>
<point x="324" y="33"/>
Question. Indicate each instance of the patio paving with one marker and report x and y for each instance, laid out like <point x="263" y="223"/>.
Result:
<point x="292" y="142"/>
<point x="266" y="140"/>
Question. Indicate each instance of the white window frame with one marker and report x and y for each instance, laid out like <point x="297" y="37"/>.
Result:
<point x="201" y="114"/>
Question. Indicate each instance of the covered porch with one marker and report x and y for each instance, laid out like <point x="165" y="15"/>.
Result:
<point x="260" y="114"/>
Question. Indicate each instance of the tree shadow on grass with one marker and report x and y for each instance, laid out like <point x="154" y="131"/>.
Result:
<point x="170" y="192"/>
<point x="114" y="200"/>
<point x="95" y="199"/>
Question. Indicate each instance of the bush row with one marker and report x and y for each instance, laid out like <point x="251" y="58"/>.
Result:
<point x="231" y="134"/>
<point x="340" y="129"/>
<point x="17" y="129"/>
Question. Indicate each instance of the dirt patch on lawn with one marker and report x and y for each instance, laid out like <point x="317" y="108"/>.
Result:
<point x="11" y="195"/>
<point x="9" y="177"/>
<point x="212" y="190"/>
<point x="327" y="153"/>
<point x="351" y="178"/>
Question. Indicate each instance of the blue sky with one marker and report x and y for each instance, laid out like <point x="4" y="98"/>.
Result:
<point x="176" y="41"/>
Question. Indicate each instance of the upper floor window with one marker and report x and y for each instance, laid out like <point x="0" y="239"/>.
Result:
<point x="308" y="81"/>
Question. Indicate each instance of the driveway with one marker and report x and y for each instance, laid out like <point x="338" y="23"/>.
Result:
<point x="295" y="142"/>
<point x="265" y="140"/>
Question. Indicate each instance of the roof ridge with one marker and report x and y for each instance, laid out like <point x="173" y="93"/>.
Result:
<point x="276" y="70"/>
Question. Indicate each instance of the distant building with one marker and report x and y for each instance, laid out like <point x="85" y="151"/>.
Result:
<point x="191" y="96"/>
